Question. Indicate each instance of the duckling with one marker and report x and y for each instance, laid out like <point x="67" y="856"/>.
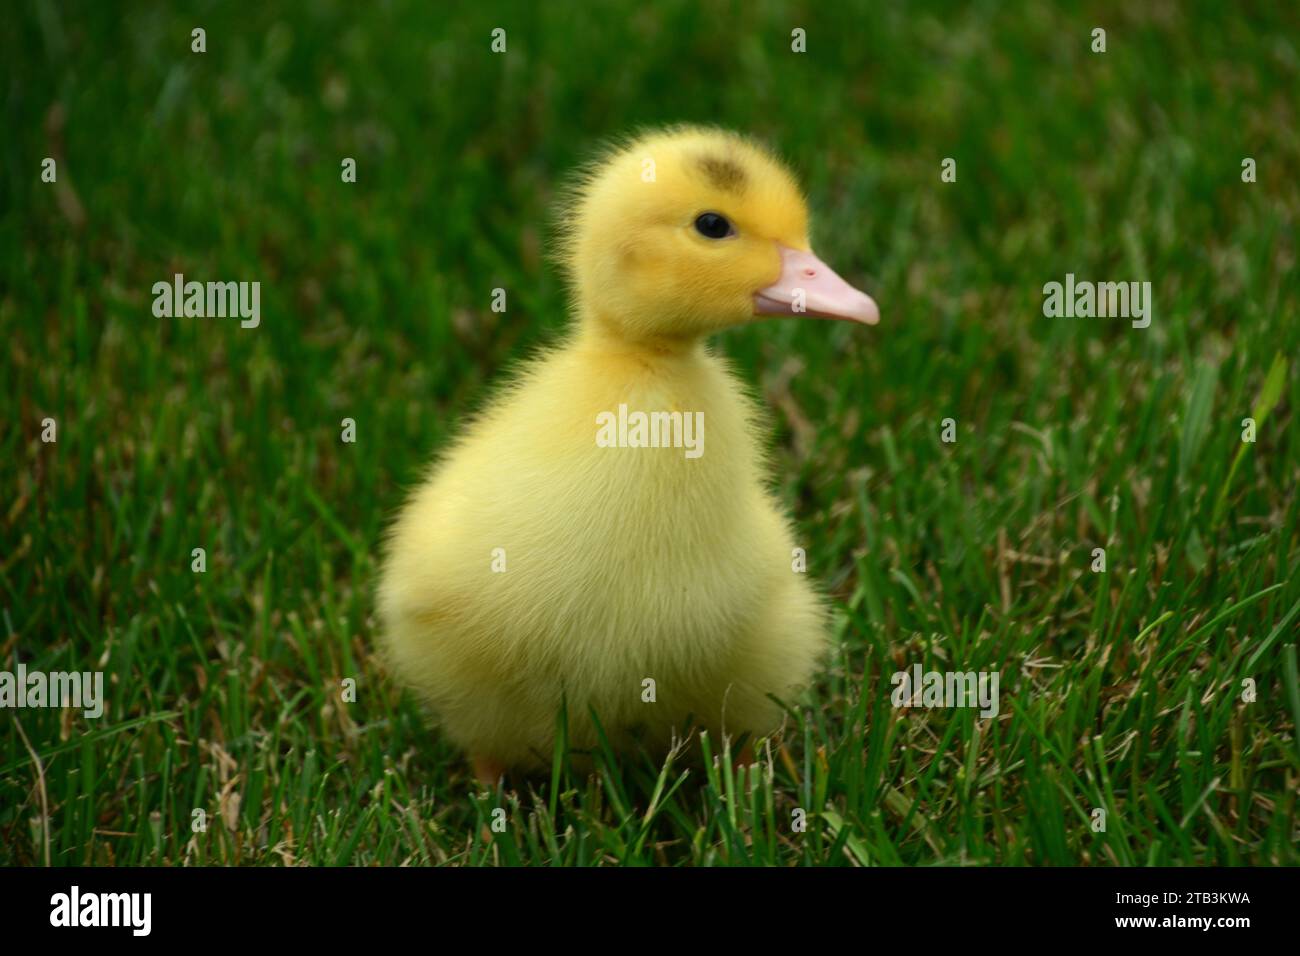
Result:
<point x="540" y="566"/>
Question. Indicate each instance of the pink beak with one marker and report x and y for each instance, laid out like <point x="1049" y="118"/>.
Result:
<point x="808" y="286"/>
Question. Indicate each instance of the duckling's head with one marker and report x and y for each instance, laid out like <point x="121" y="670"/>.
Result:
<point x="683" y="232"/>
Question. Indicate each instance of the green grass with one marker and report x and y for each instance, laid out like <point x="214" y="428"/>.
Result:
<point x="1120" y="691"/>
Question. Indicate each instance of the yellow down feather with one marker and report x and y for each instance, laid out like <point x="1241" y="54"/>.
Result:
<point x="621" y="564"/>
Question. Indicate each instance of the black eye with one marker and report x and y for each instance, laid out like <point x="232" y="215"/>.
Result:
<point x="713" y="226"/>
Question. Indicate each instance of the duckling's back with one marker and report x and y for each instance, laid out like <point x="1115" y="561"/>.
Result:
<point x="536" y="566"/>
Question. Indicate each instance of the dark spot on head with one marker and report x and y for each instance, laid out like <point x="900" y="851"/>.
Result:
<point x="724" y="174"/>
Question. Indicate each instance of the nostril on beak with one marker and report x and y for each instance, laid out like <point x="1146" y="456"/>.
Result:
<point x="809" y="273"/>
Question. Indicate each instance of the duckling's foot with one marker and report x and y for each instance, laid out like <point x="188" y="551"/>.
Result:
<point x="488" y="771"/>
<point x="744" y="757"/>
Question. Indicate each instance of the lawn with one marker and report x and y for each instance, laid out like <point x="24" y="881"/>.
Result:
<point x="1161" y="691"/>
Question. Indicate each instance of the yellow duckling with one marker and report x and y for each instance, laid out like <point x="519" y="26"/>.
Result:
<point x="605" y="523"/>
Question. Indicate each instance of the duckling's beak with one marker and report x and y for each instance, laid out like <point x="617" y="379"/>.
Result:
<point x="808" y="286"/>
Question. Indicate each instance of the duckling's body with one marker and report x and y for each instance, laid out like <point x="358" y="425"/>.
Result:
<point x="537" y="566"/>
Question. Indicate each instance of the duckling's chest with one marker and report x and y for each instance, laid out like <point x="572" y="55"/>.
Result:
<point x="667" y="445"/>
<point x="597" y="527"/>
<point x="633" y="495"/>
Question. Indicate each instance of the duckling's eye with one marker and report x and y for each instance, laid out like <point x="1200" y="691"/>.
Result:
<point x="713" y="226"/>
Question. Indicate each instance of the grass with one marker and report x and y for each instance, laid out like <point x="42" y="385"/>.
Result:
<point x="1120" y="690"/>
